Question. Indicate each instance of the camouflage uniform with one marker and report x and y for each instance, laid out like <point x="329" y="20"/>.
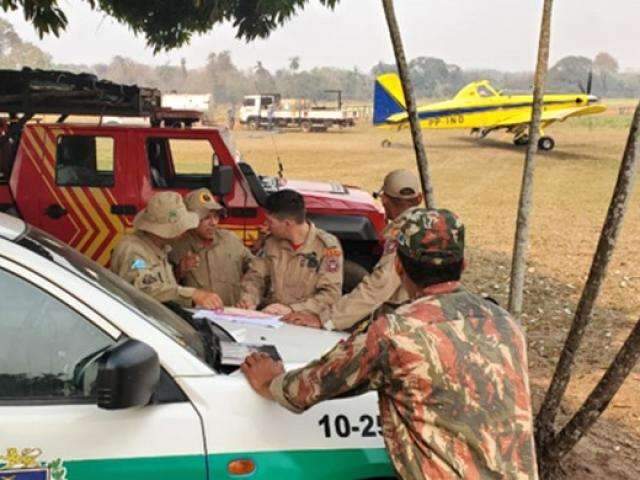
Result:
<point x="222" y="263"/>
<point x="144" y="264"/>
<point x="307" y="279"/>
<point x="450" y="370"/>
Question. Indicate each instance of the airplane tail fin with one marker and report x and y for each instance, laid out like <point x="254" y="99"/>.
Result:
<point x="388" y="98"/>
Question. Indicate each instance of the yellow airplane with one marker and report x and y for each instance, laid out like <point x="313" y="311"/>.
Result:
<point x="481" y="108"/>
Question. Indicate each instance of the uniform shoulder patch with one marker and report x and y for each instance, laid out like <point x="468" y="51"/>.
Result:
<point x="138" y="264"/>
<point x="332" y="252"/>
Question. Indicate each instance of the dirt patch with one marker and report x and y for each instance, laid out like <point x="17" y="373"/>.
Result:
<point x="612" y="447"/>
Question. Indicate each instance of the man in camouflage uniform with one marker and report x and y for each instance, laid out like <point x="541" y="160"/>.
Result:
<point x="141" y="258"/>
<point x="450" y="368"/>
<point x="208" y="257"/>
<point x="400" y="195"/>
<point x="299" y="267"/>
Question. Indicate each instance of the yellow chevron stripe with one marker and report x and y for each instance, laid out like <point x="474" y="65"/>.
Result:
<point x="105" y="255"/>
<point x="103" y="230"/>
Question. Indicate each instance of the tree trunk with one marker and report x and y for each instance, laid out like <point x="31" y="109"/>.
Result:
<point x="521" y="240"/>
<point x="599" y="398"/>
<point x="545" y="433"/>
<point x="414" y="122"/>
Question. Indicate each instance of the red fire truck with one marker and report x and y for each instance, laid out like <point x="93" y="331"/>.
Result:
<point x="84" y="182"/>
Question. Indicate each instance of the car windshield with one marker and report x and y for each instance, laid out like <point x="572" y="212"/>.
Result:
<point x="154" y="312"/>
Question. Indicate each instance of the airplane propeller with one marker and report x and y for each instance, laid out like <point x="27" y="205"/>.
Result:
<point x="587" y="91"/>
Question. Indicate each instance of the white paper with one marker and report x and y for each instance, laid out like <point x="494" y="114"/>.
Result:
<point x="240" y="316"/>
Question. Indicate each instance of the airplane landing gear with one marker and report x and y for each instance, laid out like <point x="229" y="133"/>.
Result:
<point x="521" y="140"/>
<point x="546" y="144"/>
<point x="386" y="143"/>
<point x="479" y="133"/>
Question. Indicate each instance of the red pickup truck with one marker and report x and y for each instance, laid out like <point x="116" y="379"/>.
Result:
<point x="84" y="182"/>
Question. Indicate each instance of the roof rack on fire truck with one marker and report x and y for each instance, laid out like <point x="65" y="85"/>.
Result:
<point x="27" y="92"/>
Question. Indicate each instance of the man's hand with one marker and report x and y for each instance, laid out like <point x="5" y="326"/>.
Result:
<point x="277" y="309"/>
<point x="260" y="370"/>
<point x="246" y="304"/>
<point x="303" y="319"/>
<point x="188" y="263"/>
<point x="206" y="299"/>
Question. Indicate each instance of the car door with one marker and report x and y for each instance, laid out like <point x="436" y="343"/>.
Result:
<point x="83" y="190"/>
<point x="50" y="425"/>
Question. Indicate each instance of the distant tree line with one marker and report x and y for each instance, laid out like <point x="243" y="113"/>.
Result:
<point x="432" y="77"/>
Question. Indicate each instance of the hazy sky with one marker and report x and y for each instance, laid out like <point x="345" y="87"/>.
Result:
<point x="498" y="34"/>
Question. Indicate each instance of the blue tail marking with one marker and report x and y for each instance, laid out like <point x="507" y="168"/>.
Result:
<point x="384" y="105"/>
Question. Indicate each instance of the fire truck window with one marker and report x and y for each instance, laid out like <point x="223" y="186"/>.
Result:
<point x="192" y="157"/>
<point x="86" y="161"/>
<point x="249" y="102"/>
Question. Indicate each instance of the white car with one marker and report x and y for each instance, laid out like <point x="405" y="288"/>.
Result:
<point x="98" y="380"/>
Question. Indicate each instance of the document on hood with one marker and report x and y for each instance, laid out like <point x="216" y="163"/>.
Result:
<point x="234" y="353"/>
<point x="240" y="316"/>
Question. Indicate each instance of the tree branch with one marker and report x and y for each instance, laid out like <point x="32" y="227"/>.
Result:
<point x="414" y="122"/>
<point x="521" y="241"/>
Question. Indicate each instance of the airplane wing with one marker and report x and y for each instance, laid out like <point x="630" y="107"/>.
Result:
<point x="549" y="117"/>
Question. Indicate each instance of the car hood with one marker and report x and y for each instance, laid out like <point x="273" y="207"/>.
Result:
<point x="296" y="345"/>
<point x="334" y="196"/>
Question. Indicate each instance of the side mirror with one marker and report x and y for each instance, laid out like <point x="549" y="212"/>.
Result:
<point x="128" y="374"/>
<point x="221" y="182"/>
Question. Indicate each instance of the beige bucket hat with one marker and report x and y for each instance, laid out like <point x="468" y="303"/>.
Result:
<point x="401" y="184"/>
<point x="166" y="216"/>
<point x="201" y="201"/>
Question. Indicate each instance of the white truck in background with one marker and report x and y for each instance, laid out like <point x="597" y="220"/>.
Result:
<point x="202" y="103"/>
<point x="183" y="102"/>
<point x="270" y="111"/>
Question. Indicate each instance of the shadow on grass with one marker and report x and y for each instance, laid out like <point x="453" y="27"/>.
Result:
<point x="492" y="143"/>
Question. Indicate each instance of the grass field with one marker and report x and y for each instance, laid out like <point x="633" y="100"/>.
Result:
<point x="480" y="180"/>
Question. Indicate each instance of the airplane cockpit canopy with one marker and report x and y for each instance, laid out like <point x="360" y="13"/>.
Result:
<point x="482" y="89"/>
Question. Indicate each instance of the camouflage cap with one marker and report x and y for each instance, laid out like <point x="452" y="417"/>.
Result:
<point x="201" y="201"/>
<point x="432" y="237"/>
<point x="166" y="216"/>
<point x="401" y="184"/>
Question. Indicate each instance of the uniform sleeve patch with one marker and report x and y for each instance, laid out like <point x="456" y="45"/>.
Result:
<point x="138" y="264"/>
<point x="332" y="264"/>
<point x="332" y="252"/>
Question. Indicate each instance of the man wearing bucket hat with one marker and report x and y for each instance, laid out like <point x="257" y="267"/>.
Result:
<point x="209" y="257"/>
<point x="450" y="368"/>
<point x="400" y="195"/>
<point x="141" y="257"/>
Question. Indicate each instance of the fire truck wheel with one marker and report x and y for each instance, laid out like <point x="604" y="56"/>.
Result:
<point x="306" y="126"/>
<point x="252" y="124"/>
